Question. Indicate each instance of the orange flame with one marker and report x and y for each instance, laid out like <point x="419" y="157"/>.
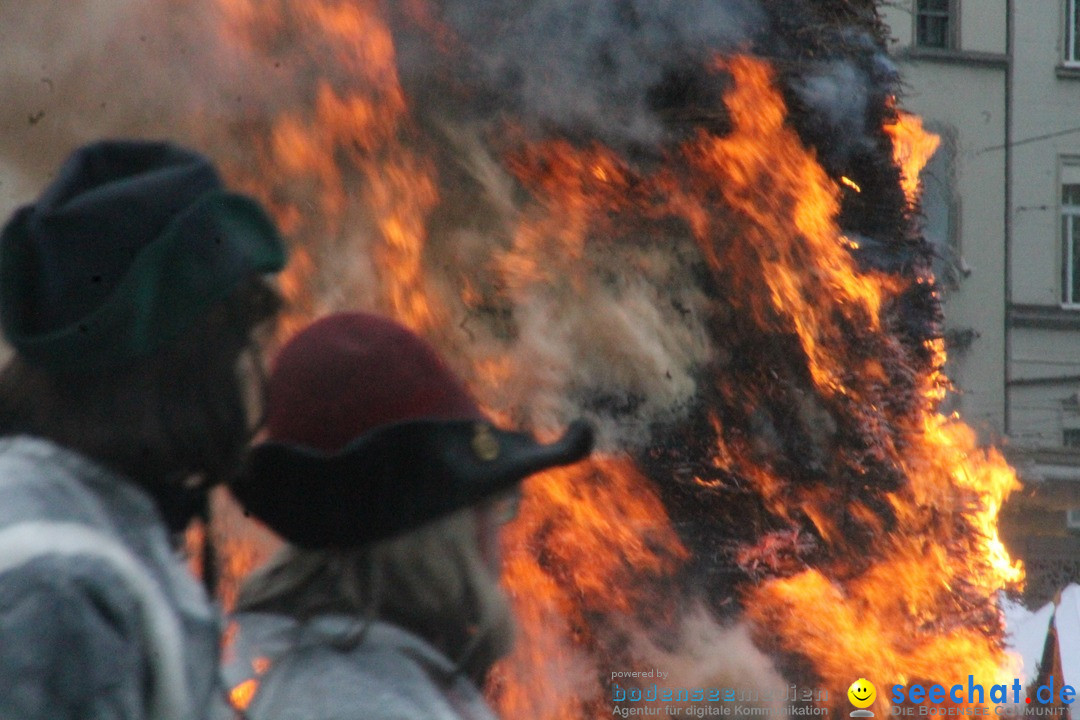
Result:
<point x="595" y="541"/>
<point x="366" y="122"/>
<point x="239" y="547"/>
<point x="587" y="540"/>
<point x="765" y="174"/>
<point x="912" y="149"/>
<point x="851" y="183"/>
<point x="240" y="696"/>
<point x="889" y="616"/>
<point x="781" y="207"/>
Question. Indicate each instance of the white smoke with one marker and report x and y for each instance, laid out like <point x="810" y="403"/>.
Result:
<point x="705" y="654"/>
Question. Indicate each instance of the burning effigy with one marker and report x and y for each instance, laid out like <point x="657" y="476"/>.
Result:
<point x="695" y="223"/>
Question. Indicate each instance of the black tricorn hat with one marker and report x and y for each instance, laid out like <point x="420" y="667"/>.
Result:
<point x="130" y="244"/>
<point x="372" y="435"/>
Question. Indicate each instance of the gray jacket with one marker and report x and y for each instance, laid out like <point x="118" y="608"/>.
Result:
<point x="99" y="618"/>
<point x="337" y="667"/>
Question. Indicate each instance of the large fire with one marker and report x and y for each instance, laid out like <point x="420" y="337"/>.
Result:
<point x="792" y="267"/>
<point x="875" y="550"/>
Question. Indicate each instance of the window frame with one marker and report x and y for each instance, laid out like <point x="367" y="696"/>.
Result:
<point x="940" y="193"/>
<point x="1069" y="434"/>
<point x="1071" y="41"/>
<point x="952" y="28"/>
<point x="1069" y="217"/>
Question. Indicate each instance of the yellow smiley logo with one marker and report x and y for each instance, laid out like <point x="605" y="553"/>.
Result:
<point x="862" y="693"/>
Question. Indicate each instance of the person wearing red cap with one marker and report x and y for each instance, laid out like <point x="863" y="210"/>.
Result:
<point x="389" y="484"/>
<point x="130" y="291"/>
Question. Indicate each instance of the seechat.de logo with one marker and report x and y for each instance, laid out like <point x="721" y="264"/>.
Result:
<point x="862" y="695"/>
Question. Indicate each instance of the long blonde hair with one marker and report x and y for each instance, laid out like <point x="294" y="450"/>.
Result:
<point x="432" y="581"/>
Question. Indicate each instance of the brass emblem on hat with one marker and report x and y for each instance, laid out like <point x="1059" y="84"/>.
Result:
<point x="484" y="443"/>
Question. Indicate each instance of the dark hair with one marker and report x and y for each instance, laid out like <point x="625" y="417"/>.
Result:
<point x="178" y="412"/>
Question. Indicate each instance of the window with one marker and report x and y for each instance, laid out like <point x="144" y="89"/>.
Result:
<point x="938" y="203"/>
<point x="1070" y="235"/>
<point x="935" y="23"/>
<point x="1072" y="32"/>
<point x="1070" y="438"/>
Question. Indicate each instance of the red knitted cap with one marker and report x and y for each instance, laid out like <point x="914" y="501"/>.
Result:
<point x="349" y="373"/>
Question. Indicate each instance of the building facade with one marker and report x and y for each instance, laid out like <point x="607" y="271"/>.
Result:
<point x="999" y="80"/>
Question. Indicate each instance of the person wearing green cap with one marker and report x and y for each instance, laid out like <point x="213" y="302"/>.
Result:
<point x="131" y="292"/>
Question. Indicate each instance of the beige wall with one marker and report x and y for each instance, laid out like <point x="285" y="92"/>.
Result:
<point x="963" y="92"/>
<point x="14" y="190"/>
<point x="1047" y="108"/>
<point x="982" y="24"/>
<point x="967" y="105"/>
<point x="963" y="98"/>
<point x="1046" y="104"/>
<point x="898" y="16"/>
